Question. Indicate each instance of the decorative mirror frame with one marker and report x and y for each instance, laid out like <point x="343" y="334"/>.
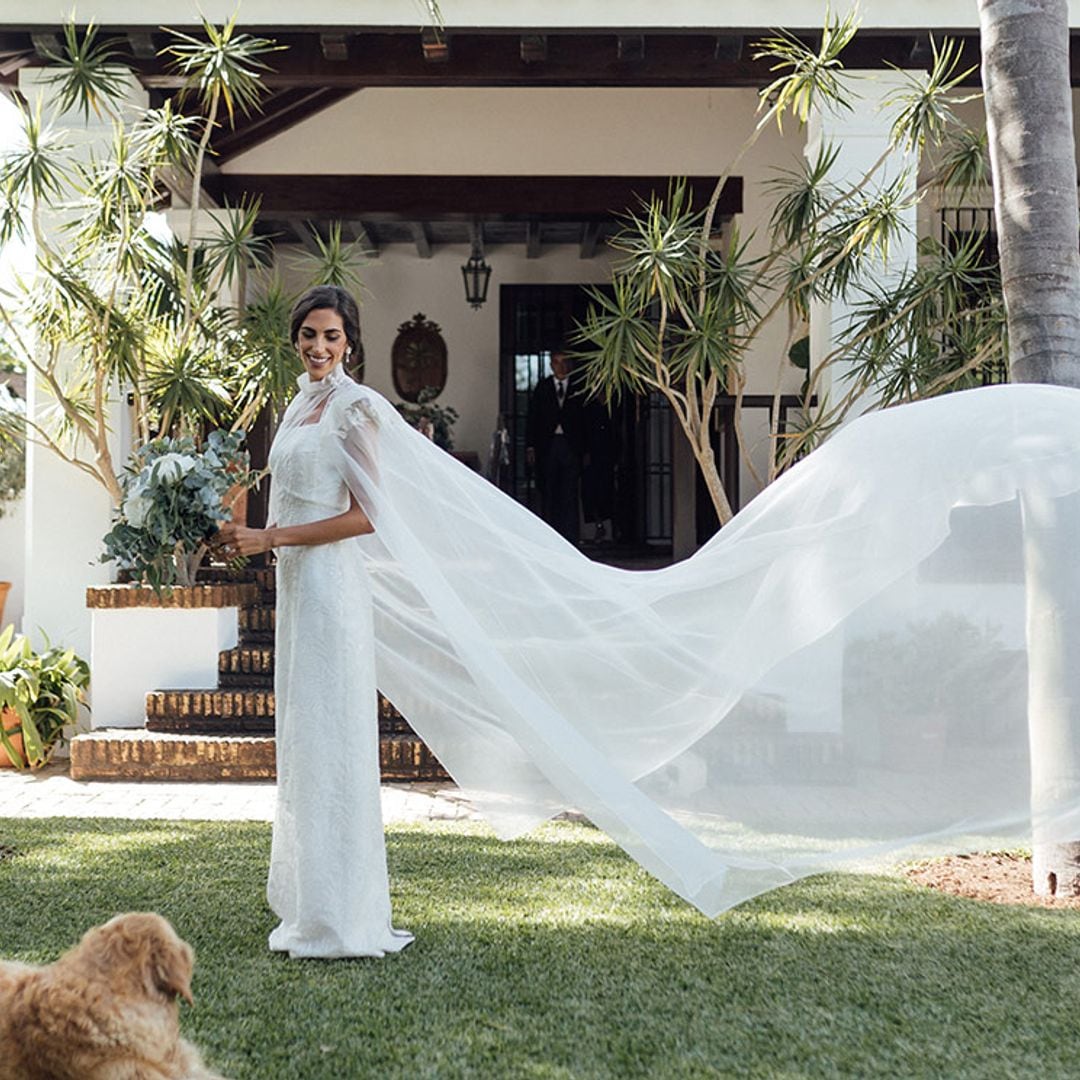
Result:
<point x="418" y="360"/>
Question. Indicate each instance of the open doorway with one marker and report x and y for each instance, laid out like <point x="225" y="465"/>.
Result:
<point x="636" y="435"/>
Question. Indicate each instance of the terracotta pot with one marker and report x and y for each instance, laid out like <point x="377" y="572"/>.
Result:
<point x="5" y="588"/>
<point x="8" y="719"/>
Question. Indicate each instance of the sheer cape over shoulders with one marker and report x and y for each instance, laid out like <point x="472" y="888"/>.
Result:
<point x="839" y="674"/>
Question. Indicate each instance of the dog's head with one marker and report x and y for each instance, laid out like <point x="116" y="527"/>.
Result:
<point x="141" y="952"/>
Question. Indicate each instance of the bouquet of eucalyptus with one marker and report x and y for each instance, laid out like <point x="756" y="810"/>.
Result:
<point x="175" y="496"/>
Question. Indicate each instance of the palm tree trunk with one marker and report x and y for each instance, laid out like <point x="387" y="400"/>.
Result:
<point x="1025" y="49"/>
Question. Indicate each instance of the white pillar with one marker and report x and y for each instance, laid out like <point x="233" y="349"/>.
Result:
<point x="862" y="135"/>
<point x="67" y="512"/>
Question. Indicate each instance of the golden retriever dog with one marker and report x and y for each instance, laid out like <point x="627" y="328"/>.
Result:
<point x="106" y="1010"/>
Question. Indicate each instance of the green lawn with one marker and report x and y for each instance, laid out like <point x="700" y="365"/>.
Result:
<point x="558" y="957"/>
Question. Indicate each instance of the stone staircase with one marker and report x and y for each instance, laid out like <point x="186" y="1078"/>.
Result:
<point x="227" y="732"/>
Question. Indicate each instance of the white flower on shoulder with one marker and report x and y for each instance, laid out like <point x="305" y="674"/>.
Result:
<point x="171" y="468"/>
<point x="135" y="509"/>
<point x="358" y="412"/>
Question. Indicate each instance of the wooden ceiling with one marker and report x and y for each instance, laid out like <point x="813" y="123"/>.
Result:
<point x="321" y="66"/>
<point x="431" y="211"/>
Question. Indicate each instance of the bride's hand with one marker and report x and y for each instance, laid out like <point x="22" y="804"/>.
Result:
<point x="233" y="540"/>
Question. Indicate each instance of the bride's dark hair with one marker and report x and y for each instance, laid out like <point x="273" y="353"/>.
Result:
<point x="334" y="298"/>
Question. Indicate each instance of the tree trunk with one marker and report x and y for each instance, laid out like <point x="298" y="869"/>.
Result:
<point x="1025" y="46"/>
<point x="707" y="463"/>
<point x="1025" y="50"/>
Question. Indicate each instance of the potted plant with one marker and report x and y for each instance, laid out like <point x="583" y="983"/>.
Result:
<point x="40" y="695"/>
<point x="175" y="495"/>
<point x="434" y="421"/>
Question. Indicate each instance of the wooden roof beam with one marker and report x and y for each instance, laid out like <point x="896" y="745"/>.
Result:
<point x="280" y="111"/>
<point x="141" y="44"/>
<point x="534" y="48"/>
<point x="532" y="239"/>
<point x="363" y="236"/>
<point x="728" y="48"/>
<point x="335" y="47"/>
<point x="590" y="236"/>
<point x="630" y="48"/>
<point x="304" y="232"/>
<point x="46" y="44"/>
<point x="425" y="197"/>
<point x="422" y="238"/>
<point x="435" y="45"/>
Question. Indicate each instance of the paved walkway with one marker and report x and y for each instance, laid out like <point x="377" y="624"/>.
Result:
<point x="52" y="793"/>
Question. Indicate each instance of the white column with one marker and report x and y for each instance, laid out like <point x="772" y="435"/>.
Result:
<point x="862" y="136"/>
<point x="67" y="512"/>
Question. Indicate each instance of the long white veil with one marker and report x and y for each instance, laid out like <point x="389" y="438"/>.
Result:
<point x="838" y="674"/>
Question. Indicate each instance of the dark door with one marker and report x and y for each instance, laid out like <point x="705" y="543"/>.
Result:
<point x="533" y="320"/>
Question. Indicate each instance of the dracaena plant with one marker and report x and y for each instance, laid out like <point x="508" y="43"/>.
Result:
<point x="114" y="305"/>
<point x="683" y="313"/>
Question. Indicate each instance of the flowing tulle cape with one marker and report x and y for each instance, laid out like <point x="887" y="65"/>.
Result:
<point x="840" y="674"/>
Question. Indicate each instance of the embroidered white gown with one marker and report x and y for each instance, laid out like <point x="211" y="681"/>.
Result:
<point x="328" y="880"/>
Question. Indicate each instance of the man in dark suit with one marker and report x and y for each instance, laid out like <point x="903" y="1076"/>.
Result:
<point x="555" y="444"/>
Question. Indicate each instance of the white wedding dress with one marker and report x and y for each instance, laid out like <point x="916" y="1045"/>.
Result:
<point x="328" y="881"/>
<point x="840" y="674"/>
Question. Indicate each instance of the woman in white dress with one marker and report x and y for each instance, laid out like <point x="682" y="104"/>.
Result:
<point x="328" y="881"/>
<point x="839" y="675"/>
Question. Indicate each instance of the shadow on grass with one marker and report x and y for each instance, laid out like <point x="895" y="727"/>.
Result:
<point x="556" y="956"/>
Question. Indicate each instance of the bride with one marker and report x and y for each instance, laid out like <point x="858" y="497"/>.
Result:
<point x="328" y="881"/>
<point x="838" y="676"/>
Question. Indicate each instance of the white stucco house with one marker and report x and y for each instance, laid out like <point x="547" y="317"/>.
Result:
<point x="526" y="127"/>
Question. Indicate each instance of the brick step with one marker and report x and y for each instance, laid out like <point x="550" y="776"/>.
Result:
<point x="245" y="682"/>
<point x="237" y="704"/>
<point x="247" y="665"/>
<point x="256" y="619"/>
<point x="211" y="725"/>
<point x="261" y="576"/>
<point x="391" y="722"/>
<point x="404" y="758"/>
<point x="126" y="754"/>
<point x="134" y="754"/>
<point x="243" y="710"/>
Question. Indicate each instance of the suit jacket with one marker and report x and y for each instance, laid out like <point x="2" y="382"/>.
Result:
<point x="545" y="415"/>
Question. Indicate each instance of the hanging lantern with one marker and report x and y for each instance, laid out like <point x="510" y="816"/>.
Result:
<point x="476" y="273"/>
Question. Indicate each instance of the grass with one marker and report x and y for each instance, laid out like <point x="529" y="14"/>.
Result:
<point x="556" y="957"/>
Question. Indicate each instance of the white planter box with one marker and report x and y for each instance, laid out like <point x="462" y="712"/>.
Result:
<point x="141" y="643"/>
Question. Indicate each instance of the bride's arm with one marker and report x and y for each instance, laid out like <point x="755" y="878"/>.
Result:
<point x="240" y="540"/>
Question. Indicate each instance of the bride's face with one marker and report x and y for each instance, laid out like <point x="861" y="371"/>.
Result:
<point x="322" y="342"/>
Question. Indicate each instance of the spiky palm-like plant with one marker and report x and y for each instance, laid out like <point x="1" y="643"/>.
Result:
<point x="112" y="306"/>
<point x="683" y="312"/>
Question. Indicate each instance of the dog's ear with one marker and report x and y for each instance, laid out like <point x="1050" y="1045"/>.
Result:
<point x="171" y="964"/>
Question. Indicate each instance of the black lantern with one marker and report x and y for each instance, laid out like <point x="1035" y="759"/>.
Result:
<point x="476" y="273"/>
